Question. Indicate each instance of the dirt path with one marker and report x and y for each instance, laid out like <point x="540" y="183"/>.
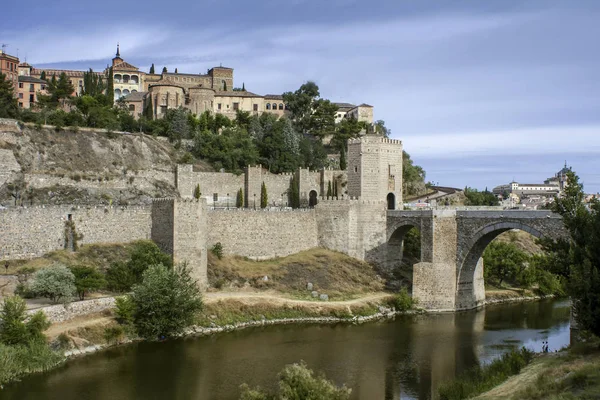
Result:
<point x="278" y="298"/>
<point x="79" y="322"/>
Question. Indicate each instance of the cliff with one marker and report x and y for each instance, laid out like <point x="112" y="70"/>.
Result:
<point x="82" y="166"/>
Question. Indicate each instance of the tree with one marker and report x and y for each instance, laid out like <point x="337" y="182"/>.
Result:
<point x="329" y="192"/>
<point x="294" y="192"/>
<point x="297" y="381"/>
<point x="477" y="198"/>
<point x="178" y="124"/>
<point x="8" y="103"/>
<point x="43" y="75"/>
<point x="151" y="69"/>
<point x="381" y="129"/>
<point x="110" y="86"/>
<point x="93" y="85"/>
<point x="164" y="70"/>
<point x="239" y="201"/>
<point x="56" y="282"/>
<point x="343" y="162"/>
<point x="197" y="192"/>
<point x="87" y="279"/>
<point x="166" y="301"/>
<point x="582" y="252"/>
<point x="264" y="201"/>
<point x="17" y="327"/>
<point x="503" y="261"/>
<point x="175" y="70"/>
<point x="301" y="104"/>
<point x="148" y="108"/>
<point x="322" y="119"/>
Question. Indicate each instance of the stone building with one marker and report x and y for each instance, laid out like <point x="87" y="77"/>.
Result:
<point x="29" y="87"/>
<point x="552" y="186"/>
<point x="9" y="67"/>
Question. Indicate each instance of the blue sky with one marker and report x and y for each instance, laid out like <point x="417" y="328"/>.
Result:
<point x="480" y="92"/>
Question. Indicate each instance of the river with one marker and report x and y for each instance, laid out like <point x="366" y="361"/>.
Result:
<point x="405" y="358"/>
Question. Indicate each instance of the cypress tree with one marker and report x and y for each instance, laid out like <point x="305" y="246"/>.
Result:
<point x="110" y="87"/>
<point x="149" y="110"/>
<point x="175" y="70"/>
<point x="239" y="202"/>
<point x="343" y="162"/>
<point x="197" y="192"/>
<point x="243" y="87"/>
<point x="8" y="102"/>
<point x="263" y="196"/>
<point x="294" y="192"/>
<point x="335" y="188"/>
<point x="164" y="70"/>
<point x="43" y="75"/>
<point x="152" y="68"/>
<point x="329" y="192"/>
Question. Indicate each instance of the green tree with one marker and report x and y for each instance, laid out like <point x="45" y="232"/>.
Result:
<point x="56" y="282"/>
<point x="149" y="109"/>
<point x="264" y="200"/>
<point x="87" y="279"/>
<point x="582" y="252"/>
<point x="298" y="382"/>
<point x="17" y="327"/>
<point x="343" y="162"/>
<point x="151" y="69"/>
<point x="166" y="301"/>
<point x="175" y="70"/>
<point x="239" y="201"/>
<point x="43" y="75"/>
<point x="8" y="102"/>
<point x="329" y="191"/>
<point x="164" y="70"/>
<point x="381" y="129"/>
<point x="503" y="261"/>
<point x="477" y="198"/>
<point x="294" y="192"/>
<point x="413" y="176"/>
<point x="322" y="119"/>
<point x="242" y="119"/>
<point x="197" y="192"/>
<point x="93" y="85"/>
<point x="301" y="104"/>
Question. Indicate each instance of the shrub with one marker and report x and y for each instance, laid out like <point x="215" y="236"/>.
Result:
<point x="402" y="301"/>
<point x="165" y="302"/>
<point x="63" y="341"/>
<point x="480" y="379"/>
<point x="124" y="310"/>
<point x="18" y="360"/>
<point x="14" y="330"/>
<point x="119" y="278"/>
<point x="56" y="282"/>
<point x="87" y="279"/>
<point x="217" y="250"/>
<point x="186" y="158"/>
<point x="297" y="381"/>
<point x="113" y="334"/>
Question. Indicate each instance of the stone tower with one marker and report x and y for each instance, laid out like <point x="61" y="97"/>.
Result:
<point x="375" y="170"/>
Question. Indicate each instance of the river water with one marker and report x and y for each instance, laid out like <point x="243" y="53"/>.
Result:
<point x="406" y="358"/>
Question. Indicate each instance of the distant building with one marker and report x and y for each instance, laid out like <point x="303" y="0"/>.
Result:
<point x="551" y="186"/>
<point x="9" y="66"/>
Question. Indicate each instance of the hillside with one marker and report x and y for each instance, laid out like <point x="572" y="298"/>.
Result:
<point x="82" y="166"/>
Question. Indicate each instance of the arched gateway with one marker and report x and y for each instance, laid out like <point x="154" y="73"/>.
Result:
<point x="449" y="275"/>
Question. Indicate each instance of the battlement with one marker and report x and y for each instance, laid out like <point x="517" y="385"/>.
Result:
<point x="368" y="139"/>
<point x="70" y="207"/>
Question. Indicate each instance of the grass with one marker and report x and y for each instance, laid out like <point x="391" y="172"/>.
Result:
<point x="226" y="312"/>
<point x="480" y="379"/>
<point x="330" y="272"/>
<point x="16" y="361"/>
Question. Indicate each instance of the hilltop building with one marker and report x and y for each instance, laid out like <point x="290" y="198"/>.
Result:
<point x="214" y="91"/>
<point x="552" y="186"/>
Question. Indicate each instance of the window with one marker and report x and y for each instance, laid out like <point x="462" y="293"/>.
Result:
<point x="355" y="169"/>
<point x="255" y="107"/>
<point x="274" y="106"/>
<point x="20" y="95"/>
<point x="43" y="87"/>
<point x="32" y="98"/>
<point x="268" y="106"/>
<point x="31" y="87"/>
<point x="281" y="106"/>
<point x="215" y="197"/>
<point x="218" y="106"/>
<point x="21" y="104"/>
<point x="236" y="106"/>
<point x="20" y="85"/>
<point x="131" y="107"/>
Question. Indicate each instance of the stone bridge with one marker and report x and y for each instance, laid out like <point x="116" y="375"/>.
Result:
<point x="449" y="275"/>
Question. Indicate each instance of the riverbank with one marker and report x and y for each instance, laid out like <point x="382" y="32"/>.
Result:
<point x="569" y="374"/>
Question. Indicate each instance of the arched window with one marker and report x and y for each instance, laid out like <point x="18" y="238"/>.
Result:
<point x="133" y="91"/>
<point x="131" y="107"/>
<point x="134" y="79"/>
<point x="118" y="92"/>
<point x="117" y="78"/>
<point x="125" y="92"/>
<point x="312" y="198"/>
<point x="281" y="106"/>
<point x="391" y="201"/>
<point x="125" y="78"/>
<point x="274" y="106"/>
<point x="268" y="106"/>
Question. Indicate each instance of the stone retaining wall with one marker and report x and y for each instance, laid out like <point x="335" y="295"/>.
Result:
<point x="65" y="312"/>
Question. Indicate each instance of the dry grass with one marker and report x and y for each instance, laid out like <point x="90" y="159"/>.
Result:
<point x="330" y="272"/>
<point x="99" y="256"/>
<point x="522" y="240"/>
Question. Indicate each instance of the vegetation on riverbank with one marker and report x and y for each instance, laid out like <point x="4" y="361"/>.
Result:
<point x="481" y="378"/>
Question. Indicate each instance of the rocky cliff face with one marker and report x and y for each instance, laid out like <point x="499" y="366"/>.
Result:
<point x="85" y="166"/>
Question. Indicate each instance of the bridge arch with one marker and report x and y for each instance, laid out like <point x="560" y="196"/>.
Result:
<point x="396" y="249"/>
<point x="470" y="291"/>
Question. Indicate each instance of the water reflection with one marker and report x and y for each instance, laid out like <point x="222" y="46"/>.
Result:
<point x="403" y="359"/>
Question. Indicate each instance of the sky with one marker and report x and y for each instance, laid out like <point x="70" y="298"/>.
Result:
<point x="480" y="92"/>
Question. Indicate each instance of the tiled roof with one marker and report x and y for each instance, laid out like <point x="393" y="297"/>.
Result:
<point x="365" y="105"/>
<point x="57" y="72"/>
<point x="345" y="105"/>
<point x="232" y="93"/>
<point x="135" y="96"/>
<point x="273" y="96"/>
<point x="30" y="79"/>
<point x="125" y="65"/>
<point x="165" y="81"/>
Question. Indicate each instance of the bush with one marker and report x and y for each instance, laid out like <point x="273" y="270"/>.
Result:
<point x="297" y="381"/>
<point x="113" y="334"/>
<point x="165" y="302"/>
<point x="63" y="341"/>
<point x="14" y="330"/>
<point x="402" y="301"/>
<point x="56" y="282"/>
<point x="18" y="360"/>
<point x="480" y="379"/>
<point x="119" y="278"/>
<point x="124" y="310"/>
<point x="87" y="279"/>
<point x="217" y="250"/>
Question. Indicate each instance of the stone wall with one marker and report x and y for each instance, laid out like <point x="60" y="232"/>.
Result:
<point x="220" y="183"/>
<point x="65" y="312"/>
<point x="262" y="234"/>
<point x="32" y="232"/>
<point x="8" y="165"/>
